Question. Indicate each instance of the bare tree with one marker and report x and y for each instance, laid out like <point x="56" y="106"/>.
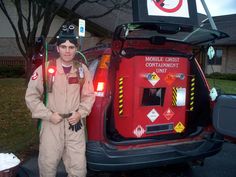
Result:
<point x="44" y="11"/>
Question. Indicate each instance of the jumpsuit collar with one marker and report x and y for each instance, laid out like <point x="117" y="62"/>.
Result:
<point x="60" y="68"/>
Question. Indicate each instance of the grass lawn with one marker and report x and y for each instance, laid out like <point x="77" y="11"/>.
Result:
<point x="18" y="133"/>
<point x="224" y="85"/>
<point x="17" y="129"/>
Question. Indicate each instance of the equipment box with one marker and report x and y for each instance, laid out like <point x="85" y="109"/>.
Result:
<point x="151" y="95"/>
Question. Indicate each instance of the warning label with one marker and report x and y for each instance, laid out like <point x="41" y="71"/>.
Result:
<point x="153" y="115"/>
<point x="179" y="128"/>
<point x="153" y="78"/>
<point x="168" y="114"/>
<point x="139" y="131"/>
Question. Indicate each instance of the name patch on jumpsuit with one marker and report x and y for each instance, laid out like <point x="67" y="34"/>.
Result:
<point x="73" y="80"/>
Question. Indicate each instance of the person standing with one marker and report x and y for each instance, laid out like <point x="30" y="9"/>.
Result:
<point x="70" y="98"/>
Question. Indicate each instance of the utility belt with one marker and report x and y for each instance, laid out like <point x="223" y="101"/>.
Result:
<point x="64" y="116"/>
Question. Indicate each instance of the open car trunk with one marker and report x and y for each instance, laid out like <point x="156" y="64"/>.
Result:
<point x="153" y="85"/>
<point x="159" y="89"/>
<point x="157" y="92"/>
<point x="152" y="100"/>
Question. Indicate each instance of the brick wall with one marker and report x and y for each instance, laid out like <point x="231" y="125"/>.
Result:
<point x="230" y="64"/>
<point x="228" y="61"/>
<point x="11" y="61"/>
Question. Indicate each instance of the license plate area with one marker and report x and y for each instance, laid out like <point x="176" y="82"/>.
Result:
<point x="159" y="128"/>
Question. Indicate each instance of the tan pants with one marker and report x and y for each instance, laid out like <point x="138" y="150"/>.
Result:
<point x="58" y="142"/>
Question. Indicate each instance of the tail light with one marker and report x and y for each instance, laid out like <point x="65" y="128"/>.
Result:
<point x="100" y="80"/>
<point x="100" y="87"/>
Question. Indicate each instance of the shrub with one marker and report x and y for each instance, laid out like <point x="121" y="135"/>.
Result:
<point x="12" y="71"/>
<point x="223" y="76"/>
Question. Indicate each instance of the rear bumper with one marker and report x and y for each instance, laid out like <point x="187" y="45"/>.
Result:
<point x="101" y="157"/>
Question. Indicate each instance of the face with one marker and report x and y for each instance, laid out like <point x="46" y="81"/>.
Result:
<point x="67" y="51"/>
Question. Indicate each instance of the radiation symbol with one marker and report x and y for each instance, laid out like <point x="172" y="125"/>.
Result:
<point x="168" y="6"/>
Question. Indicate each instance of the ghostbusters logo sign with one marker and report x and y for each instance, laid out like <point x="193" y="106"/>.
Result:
<point x="170" y="11"/>
<point x="176" y="5"/>
<point x="34" y="76"/>
<point x="174" y="8"/>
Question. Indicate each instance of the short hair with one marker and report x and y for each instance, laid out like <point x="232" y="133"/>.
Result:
<point x="67" y="33"/>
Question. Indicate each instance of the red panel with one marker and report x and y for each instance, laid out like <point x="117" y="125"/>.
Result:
<point x="134" y="71"/>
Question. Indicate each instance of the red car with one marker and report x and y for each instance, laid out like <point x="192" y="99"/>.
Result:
<point x="152" y="103"/>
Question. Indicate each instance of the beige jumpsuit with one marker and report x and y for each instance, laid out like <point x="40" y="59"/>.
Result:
<point x="56" y="140"/>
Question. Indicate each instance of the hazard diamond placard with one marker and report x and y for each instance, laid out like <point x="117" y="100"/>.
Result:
<point x="168" y="114"/>
<point x="153" y="115"/>
<point x="153" y="78"/>
<point x="179" y="128"/>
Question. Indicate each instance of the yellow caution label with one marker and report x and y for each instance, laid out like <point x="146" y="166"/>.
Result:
<point x="174" y="96"/>
<point x="178" y="96"/>
<point x="121" y="80"/>
<point x="192" y="94"/>
<point x="179" y="128"/>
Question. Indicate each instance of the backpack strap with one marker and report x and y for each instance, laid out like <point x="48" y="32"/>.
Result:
<point x="80" y="72"/>
<point x="50" y="74"/>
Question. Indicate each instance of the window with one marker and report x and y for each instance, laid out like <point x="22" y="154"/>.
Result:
<point x="217" y="60"/>
<point x="153" y="96"/>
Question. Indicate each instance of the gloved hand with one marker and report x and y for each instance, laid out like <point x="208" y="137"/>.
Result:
<point x="76" y="127"/>
<point x="72" y="121"/>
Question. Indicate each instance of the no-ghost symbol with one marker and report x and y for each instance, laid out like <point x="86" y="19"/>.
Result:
<point x="162" y="6"/>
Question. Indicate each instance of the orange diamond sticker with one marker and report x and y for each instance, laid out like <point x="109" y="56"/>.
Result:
<point x="169" y="79"/>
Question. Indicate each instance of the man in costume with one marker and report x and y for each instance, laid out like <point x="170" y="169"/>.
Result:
<point x="70" y="97"/>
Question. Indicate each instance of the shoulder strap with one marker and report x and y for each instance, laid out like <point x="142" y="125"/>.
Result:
<point x="51" y="71"/>
<point x="80" y="72"/>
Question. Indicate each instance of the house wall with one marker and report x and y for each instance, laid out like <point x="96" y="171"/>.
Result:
<point x="8" y="47"/>
<point x="228" y="61"/>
